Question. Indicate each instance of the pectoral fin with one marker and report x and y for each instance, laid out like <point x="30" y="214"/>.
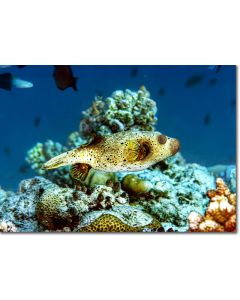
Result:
<point x="132" y="150"/>
<point x="136" y="151"/>
<point x="80" y="171"/>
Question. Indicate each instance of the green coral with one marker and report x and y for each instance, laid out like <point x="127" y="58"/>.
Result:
<point x="135" y="186"/>
<point x="124" y="110"/>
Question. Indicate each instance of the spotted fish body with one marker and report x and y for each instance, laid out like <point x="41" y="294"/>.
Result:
<point x="122" y="151"/>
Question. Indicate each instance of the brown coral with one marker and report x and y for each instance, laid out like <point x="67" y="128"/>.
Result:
<point x="221" y="212"/>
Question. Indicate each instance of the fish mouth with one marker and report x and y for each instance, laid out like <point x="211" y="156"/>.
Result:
<point x="174" y="146"/>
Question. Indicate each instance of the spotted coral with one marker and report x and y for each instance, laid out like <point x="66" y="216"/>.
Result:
<point x="109" y="223"/>
<point x="122" y="111"/>
<point x="221" y="212"/>
<point x="120" y="219"/>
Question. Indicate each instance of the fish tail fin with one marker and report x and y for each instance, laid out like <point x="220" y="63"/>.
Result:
<point x="74" y="85"/>
<point x="63" y="159"/>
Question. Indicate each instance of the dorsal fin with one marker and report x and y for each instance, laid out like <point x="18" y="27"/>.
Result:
<point x="93" y="141"/>
<point x="96" y="139"/>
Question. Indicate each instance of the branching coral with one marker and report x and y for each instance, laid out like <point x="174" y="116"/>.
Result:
<point x="7" y="227"/>
<point x="122" y="111"/>
<point x="167" y="192"/>
<point x="221" y="212"/>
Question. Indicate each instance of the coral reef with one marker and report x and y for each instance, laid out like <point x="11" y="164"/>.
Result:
<point x="122" y="111"/>
<point x="176" y="190"/>
<point x="220" y="214"/>
<point x="170" y="196"/>
<point x="41" y="205"/>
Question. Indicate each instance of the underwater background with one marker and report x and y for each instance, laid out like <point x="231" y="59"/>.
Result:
<point x="196" y="104"/>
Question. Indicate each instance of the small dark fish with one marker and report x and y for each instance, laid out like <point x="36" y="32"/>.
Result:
<point x="194" y="80"/>
<point x="7" y="151"/>
<point x="8" y="66"/>
<point x="24" y="168"/>
<point x="64" y="78"/>
<point x="99" y="94"/>
<point x="134" y="71"/>
<point x="233" y="103"/>
<point x="218" y="68"/>
<point x="6" y="81"/>
<point x="162" y="91"/>
<point x="215" y="68"/>
<point x="212" y="81"/>
<point x="37" y="121"/>
<point x="207" y="119"/>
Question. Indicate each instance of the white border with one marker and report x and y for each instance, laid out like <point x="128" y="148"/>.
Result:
<point x="164" y="266"/>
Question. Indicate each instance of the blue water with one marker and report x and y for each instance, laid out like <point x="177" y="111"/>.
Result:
<point x="202" y="116"/>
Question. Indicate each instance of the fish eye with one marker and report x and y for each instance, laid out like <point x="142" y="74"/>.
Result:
<point x="162" y="139"/>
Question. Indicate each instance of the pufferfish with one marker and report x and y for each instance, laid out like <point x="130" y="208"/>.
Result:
<point x="119" y="152"/>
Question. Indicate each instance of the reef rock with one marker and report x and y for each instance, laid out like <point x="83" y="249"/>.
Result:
<point x="174" y="193"/>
